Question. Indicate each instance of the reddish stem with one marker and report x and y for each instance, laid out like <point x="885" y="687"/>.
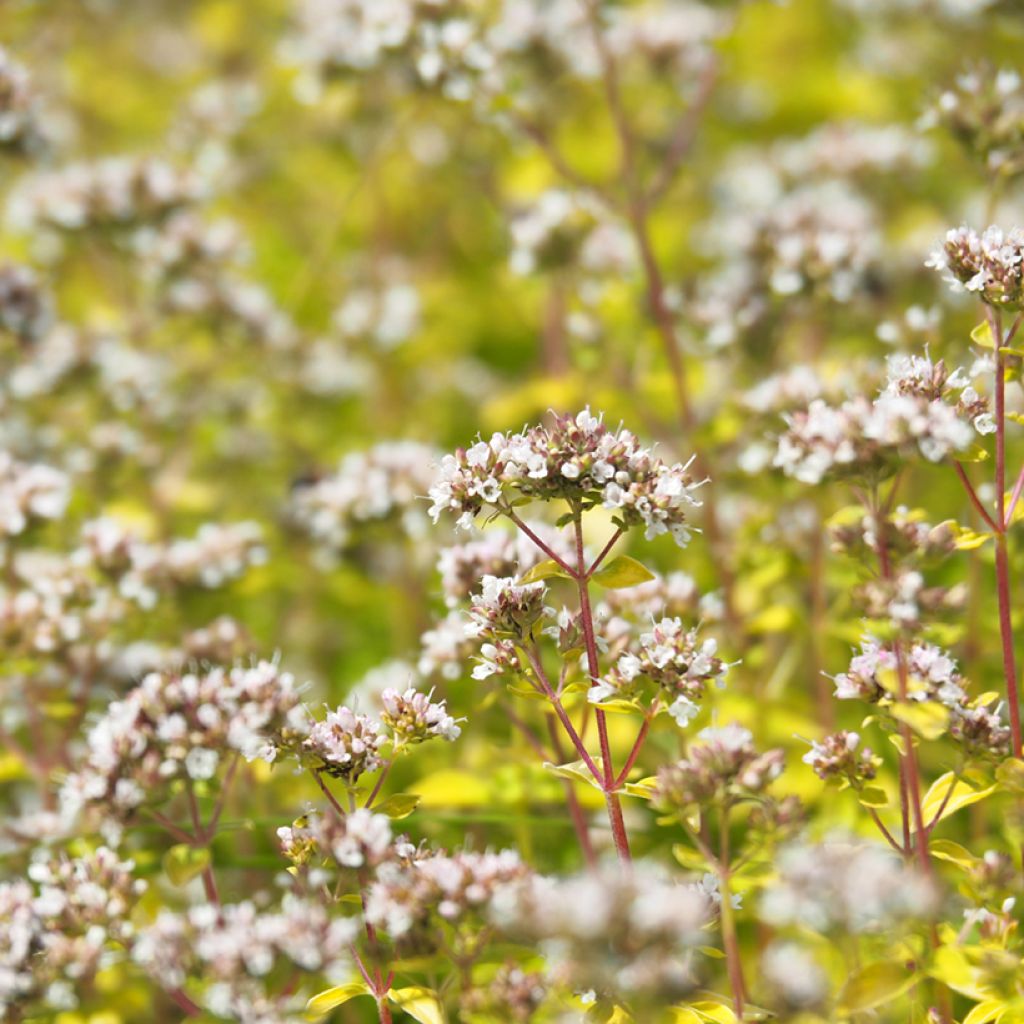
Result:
<point x="563" y="717"/>
<point x="638" y="746"/>
<point x="973" y="495"/>
<point x="536" y="540"/>
<point x="595" y="565"/>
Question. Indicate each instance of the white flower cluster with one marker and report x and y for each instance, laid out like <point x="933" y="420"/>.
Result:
<point x="175" y="726"/>
<point x="932" y="675"/>
<point x="346" y="744"/>
<point x="613" y="932"/>
<point x="469" y="55"/>
<point x="861" y="436"/>
<point x="949" y="8"/>
<point x="849" y="887"/>
<point x="387" y="315"/>
<point x="984" y="109"/>
<point x="360" y="839"/>
<point x="56" y="927"/>
<point x="385" y="482"/>
<point x="413" y="717"/>
<point x="446" y="647"/>
<point x="578" y="459"/>
<point x="722" y="763"/>
<point x="219" y="553"/>
<point x="406" y="895"/>
<point x="675" y="660"/>
<point x="849" y="148"/>
<point x="566" y="229"/>
<point x="26" y="309"/>
<point x="20" y="127"/>
<point x="29" y="492"/>
<point x="816" y="238"/>
<point x="989" y="265"/>
<point x="235" y="949"/>
<point x="112" y="192"/>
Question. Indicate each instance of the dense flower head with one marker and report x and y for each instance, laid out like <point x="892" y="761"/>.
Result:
<point x="59" y="922"/>
<point x="721" y="765"/>
<point x="988" y="265"/>
<point x="346" y="744"/>
<point x="984" y="110"/>
<point x="234" y="949"/>
<point x="627" y="933"/>
<point x="837" y="757"/>
<point x="177" y="725"/>
<point x="445" y="647"/>
<point x="359" y="839"/>
<point x="505" y="608"/>
<point x="579" y="460"/>
<point x="563" y="229"/>
<point x="382" y="483"/>
<point x="861" y="437"/>
<point x="26" y="308"/>
<point x="29" y="492"/>
<point x="674" y="659"/>
<point x="513" y="994"/>
<point x="932" y="676"/>
<point x="413" y="717"/>
<point x="114" y="192"/>
<point x="844" y="886"/>
<point x="409" y="897"/>
<point x="20" y="128"/>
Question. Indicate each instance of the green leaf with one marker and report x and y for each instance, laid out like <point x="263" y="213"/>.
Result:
<point x="964" y="793"/>
<point x="546" y="570"/>
<point x="622" y="572"/>
<point x="989" y="1010"/>
<point x="577" y="771"/>
<point x="324" y="1002"/>
<point x="706" y="1009"/>
<point x="419" y="1003"/>
<point x="946" y="849"/>
<point x="398" y="806"/>
<point x="682" y="1015"/>
<point x="874" y="985"/>
<point x="928" y="720"/>
<point x="184" y="862"/>
<point x="873" y="796"/>
<point x="982" y="335"/>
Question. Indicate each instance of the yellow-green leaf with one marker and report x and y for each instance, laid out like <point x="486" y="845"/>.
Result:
<point x="577" y="771"/>
<point x="184" y="862"/>
<point x="398" y="806"/>
<point x="324" y="1002"/>
<point x="989" y="1010"/>
<point x="963" y="794"/>
<point x="622" y="572"/>
<point x="717" y="1012"/>
<point x="546" y="570"/>
<point x="875" y="985"/>
<point x="982" y="335"/>
<point x="928" y="720"/>
<point x="419" y="1003"/>
<point x="946" y="849"/>
<point x="873" y="796"/>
